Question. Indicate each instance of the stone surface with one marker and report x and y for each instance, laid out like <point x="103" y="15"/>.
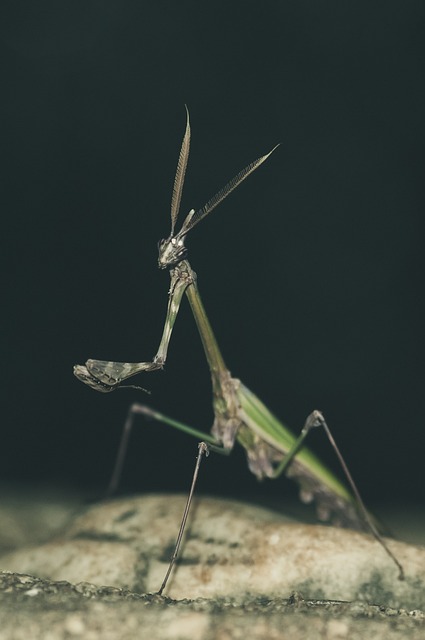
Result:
<point x="231" y="551"/>
<point x="44" y="610"/>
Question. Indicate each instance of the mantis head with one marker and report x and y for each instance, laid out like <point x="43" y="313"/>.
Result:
<point x="172" y="250"/>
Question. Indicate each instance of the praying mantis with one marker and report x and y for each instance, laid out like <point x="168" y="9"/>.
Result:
<point x="239" y="416"/>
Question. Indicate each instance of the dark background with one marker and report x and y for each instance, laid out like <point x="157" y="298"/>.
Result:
<point x="311" y="273"/>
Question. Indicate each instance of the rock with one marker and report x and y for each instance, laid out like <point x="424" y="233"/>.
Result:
<point x="231" y="550"/>
<point x="45" y="610"/>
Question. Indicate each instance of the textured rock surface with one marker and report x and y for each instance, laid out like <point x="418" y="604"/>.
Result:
<point x="44" y="610"/>
<point x="231" y="550"/>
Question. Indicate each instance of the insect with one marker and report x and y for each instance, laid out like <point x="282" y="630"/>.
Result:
<point x="239" y="416"/>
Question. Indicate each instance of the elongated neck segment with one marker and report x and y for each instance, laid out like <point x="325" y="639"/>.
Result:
<point x="213" y="354"/>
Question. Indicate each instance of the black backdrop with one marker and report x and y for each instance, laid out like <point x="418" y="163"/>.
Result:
<point x="311" y="272"/>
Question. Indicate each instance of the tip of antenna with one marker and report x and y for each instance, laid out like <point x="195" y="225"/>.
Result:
<point x="187" y="111"/>
<point x="263" y="158"/>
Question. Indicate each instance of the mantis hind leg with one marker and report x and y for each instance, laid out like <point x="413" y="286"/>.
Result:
<point x="316" y="419"/>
